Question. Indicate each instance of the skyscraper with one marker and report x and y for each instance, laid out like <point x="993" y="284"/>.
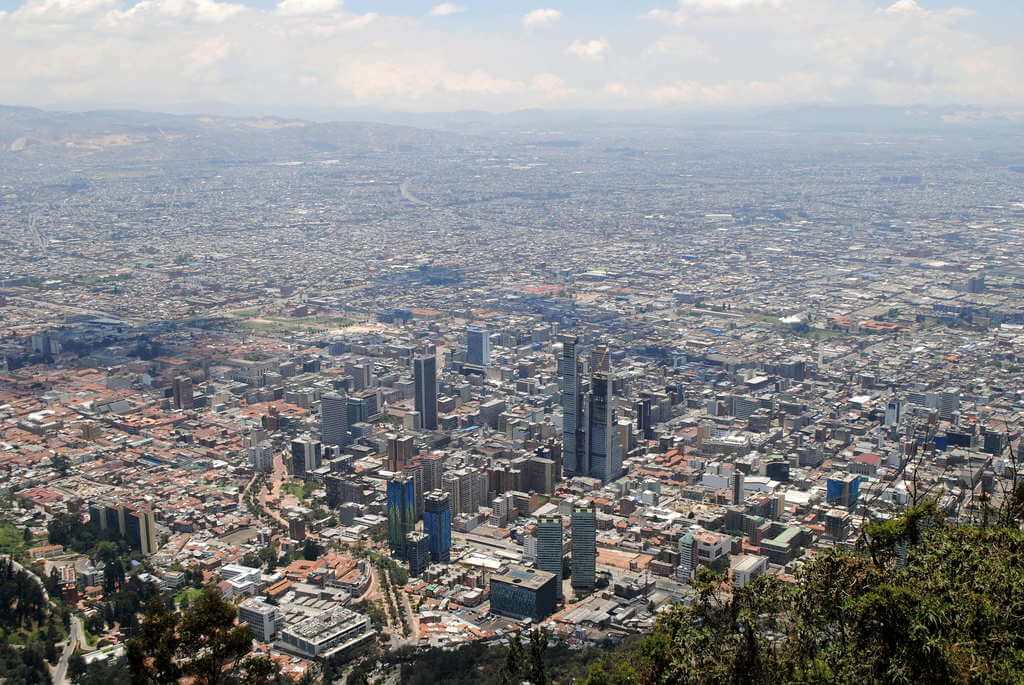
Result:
<point x="433" y="470"/>
<point x="307" y="455"/>
<point x="478" y="346"/>
<point x="400" y="449"/>
<point x="401" y="501"/>
<point x="736" y="484"/>
<point x="334" y="419"/>
<point x="643" y="417"/>
<point x="140" y="530"/>
<point x="604" y="451"/>
<point x="437" y="522"/>
<point x="549" y="548"/>
<point x="574" y="447"/>
<point x="183" y="395"/>
<point x="425" y="374"/>
<point x="584" y="549"/>
<point x="417" y="551"/>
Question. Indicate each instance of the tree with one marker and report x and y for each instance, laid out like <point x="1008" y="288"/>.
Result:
<point x="922" y="601"/>
<point x="202" y="642"/>
<point x="538" y="646"/>
<point x="61" y="464"/>
<point x="511" y="670"/>
<point x="213" y="640"/>
<point x="77" y="667"/>
<point x="311" y="550"/>
<point x="258" y="670"/>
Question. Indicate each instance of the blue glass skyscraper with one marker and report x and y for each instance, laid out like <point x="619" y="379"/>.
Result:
<point x="437" y="522"/>
<point x="401" y="512"/>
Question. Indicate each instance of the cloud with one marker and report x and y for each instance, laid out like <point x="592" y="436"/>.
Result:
<point x="682" y="47"/>
<point x="319" y="53"/>
<point x="594" y="50"/>
<point x="200" y="11"/>
<point x="541" y="18"/>
<point x="686" y="9"/>
<point x="297" y="8"/>
<point x="445" y="9"/>
<point x="551" y="86"/>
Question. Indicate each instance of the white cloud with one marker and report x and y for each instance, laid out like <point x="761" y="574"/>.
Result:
<point x="687" y="9"/>
<point x="616" y="88"/>
<point x="682" y="47"/>
<point x="700" y="53"/>
<point x="445" y="9"/>
<point x="58" y="10"/>
<point x="541" y="18"/>
<point x="551" y="86"/>
<point x="306" y="7"/>
<point x="594" y="50"/>
<point x="202" y="11"/>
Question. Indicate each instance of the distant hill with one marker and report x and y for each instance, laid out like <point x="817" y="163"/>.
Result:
<point x="36" y="132"/>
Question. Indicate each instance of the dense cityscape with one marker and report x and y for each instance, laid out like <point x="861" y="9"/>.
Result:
<point x="384" y="390"/>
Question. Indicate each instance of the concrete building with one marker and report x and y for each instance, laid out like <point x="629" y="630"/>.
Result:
<point x="522" y="592"/>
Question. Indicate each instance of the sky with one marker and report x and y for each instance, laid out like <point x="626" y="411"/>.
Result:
<point x="504" y="55"/>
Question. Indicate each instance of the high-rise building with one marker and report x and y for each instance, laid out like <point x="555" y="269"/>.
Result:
<point x="550" y="548"/>
<point x="140" y="530"/>
<point x="425" y="375"/>
<point x="574" y="447"/>
<point x="415" y="471"/>
<point x="400" y="450"/>
<point x="307" y="455"/>
<point x="259" y="450"/>
<point x="182" y="393"/>
<point x="687" y="555"/>
<point x="893" y="413"/>
<point x="584" y="549"/>
<point x="401" y="505"/>
<point x="417" y="552"/>
<point x="842" y="489"/>
<point x="134" y="524"/>
<point x="478" y="346"/>
<point x="334" y="419"/>
<point x="600" y="359"/>
<point x="736" y="484"/>
<point x="604" y="450"/>
<point x="644" y="426"/>
<point x="437" y="522"/>
<point x="433" y="470"/>
<point x="297" y="528"/>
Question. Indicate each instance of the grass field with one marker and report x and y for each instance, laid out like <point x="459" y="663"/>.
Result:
<point x="12" y="540"/>
<point x="190" y="592"/>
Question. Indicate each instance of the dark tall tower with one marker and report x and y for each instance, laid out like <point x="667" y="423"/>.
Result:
<point x="183" y="395"/>
<point x="574" y="448"/>
<point x="643" y="418"/>
<point x="437" y="522"/>
<point x="478" y="346"/>
<point x="603" y="449"/>
<point x="584" y="549"/>
<point x="425" y="372"/>
<point x="334" y="420"/>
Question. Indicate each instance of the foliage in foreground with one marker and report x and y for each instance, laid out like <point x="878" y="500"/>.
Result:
<point x="202" y="643"/>
<point x="922" y="602"/>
